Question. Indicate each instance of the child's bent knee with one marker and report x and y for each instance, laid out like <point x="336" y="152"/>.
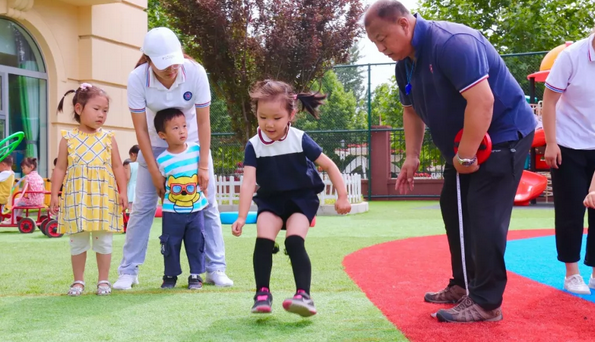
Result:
<point x="294" y="243"/>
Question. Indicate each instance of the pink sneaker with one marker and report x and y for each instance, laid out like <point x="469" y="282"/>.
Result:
<point x="300" y="304"/>
<point x="263" y="300"/>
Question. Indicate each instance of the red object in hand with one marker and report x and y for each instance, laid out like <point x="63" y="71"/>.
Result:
<point x="485" y="148"/>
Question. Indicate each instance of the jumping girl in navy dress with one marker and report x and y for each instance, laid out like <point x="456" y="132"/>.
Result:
<point x="280" y="159"/>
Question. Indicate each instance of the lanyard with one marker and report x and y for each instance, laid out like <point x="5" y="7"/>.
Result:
<point x="410" y="70"/>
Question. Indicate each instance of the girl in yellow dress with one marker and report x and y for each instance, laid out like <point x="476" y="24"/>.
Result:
<point x="91" y="206"/>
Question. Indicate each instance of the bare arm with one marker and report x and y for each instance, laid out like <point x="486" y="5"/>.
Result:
<point x="414" y="132"/>
<point x="128" y="173"/>
<point x="118" y="168"/>
<point x="550" y="99"/>
<point x="60" y="170"/>
<point x="334" y="174"/>
<point x="203" y="121"/>
<point x="139" y="120"/>
<point x="478" y="117"/>
<point x="247" y="191"/>
<point x="342" y="205"/>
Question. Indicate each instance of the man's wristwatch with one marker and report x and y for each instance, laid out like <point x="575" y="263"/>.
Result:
<point x="466" y="161"/>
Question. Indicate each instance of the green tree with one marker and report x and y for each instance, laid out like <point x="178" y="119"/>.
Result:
<point x="386" y="105"/>
<point x="157" y="17"/>
<point x="242" y="41"/>
<point x="338" y="112"/>
<point x="387" y="110"/>
<point x="520" y="25"/>
<point x="351" y="77"/>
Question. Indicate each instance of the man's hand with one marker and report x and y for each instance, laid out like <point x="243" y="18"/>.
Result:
<point x="405" y="179"/>
<point x="462" y="169"/>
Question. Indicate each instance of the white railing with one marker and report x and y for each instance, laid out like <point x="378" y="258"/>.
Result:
<point x="353" y="183"/>
<point x="228" y="192"/>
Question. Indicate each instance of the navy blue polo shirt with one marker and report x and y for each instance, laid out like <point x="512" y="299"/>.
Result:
<point x="284" y="165"/>
<point x="450" y="59"/>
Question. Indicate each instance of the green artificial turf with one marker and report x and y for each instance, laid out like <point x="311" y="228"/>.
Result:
<point x="35" y="274"/>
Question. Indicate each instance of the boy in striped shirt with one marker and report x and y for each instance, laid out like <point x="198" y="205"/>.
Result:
<point x="183" y="218"/>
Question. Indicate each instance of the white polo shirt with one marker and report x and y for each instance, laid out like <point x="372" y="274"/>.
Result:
<point x="189" y="91"/>
<point x="573" y="75"/>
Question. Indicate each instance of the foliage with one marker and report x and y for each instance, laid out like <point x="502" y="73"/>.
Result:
<point x="155" y="15"/>
<point x="386" y="105"/>
<point x="338" y="112"/>
<point x="220" y="120"/>
<point x="388" y="111"/>
<point x="518" y="26"/>
<point x="242" y="41"/>
<point x="352" y="78"/>
<point x="228" y="154"/>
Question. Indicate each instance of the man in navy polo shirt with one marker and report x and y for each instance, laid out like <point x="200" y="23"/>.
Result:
<point x="450" y="77"/>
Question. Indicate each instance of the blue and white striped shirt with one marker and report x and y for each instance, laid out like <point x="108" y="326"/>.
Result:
<point x="182" y="193"/>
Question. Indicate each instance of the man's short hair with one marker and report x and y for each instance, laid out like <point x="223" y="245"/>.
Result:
<point x="389" y="10"/>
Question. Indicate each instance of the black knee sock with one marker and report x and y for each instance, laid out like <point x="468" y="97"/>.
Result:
<point x="263" y="262"/>
<point x="300" y="262"/>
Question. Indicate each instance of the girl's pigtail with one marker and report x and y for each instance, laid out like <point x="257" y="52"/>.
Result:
<point x="61" y="104"/>
<point x="311" y="102"/>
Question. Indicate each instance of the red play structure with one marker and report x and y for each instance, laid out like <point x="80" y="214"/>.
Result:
<point x="532" y="183"/>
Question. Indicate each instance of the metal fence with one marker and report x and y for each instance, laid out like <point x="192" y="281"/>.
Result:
<point x="360" y="97"/>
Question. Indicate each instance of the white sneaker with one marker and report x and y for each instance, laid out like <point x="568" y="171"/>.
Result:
<point x="576" y="284"/>
<point x="125" y="282"/>
<point x="592" y="282"/>
<point x="218" y="278"/>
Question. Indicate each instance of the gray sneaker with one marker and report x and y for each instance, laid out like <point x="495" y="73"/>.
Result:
<point x="467" y="311"/>
<point x="300" y="304"/>
<point x="194" y="282"/>
<point x="450" y="295"/>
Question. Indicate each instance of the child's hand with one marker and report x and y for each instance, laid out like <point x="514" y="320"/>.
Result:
<point x="123" y="201"/>
<point x="54" y="205"/>
<point x="342" y="206"/>
<point x="236" y="227"/>
<point x="589" y="201"/>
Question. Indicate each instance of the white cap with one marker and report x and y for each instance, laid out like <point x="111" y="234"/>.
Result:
<point x="163" y="47"/>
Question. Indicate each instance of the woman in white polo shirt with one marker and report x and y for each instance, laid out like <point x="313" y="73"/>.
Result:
<point x="569" y="124"/>
<point x="165" y="78"/>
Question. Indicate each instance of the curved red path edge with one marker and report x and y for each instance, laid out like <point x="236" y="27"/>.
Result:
<point x="395" y="275"/>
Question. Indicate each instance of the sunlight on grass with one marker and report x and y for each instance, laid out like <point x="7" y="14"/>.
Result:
<point x="36" y="273"/>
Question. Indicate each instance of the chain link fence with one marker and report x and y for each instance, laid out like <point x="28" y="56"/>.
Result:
<point x="362" y="99"/>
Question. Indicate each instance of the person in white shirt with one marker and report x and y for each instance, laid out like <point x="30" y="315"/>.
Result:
<point x="165" y="78"/>
<point x="569" y="124"/>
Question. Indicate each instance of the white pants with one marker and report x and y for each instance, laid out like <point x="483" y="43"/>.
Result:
<point x="102" y="242"/>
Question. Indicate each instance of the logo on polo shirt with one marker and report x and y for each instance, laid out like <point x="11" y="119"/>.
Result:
<point x="187" y="96"/>
<point x="431" y="69"/>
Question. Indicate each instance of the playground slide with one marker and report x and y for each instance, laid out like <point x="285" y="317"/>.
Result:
<point x="539" y="138"/>
<point x="531" y="186"/>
